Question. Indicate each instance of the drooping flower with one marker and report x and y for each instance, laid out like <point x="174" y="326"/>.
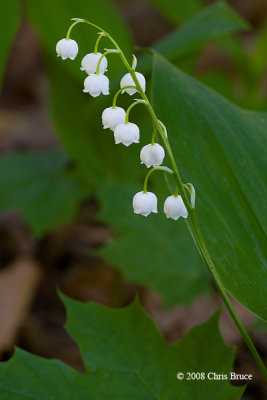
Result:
<point x="152" y="154"/>
<point x="174" y="207"/>
<point x="145" y="203"/>
<point x="67" y="48"/>
<point x="112" y="117"/>
<point x="127" y="80"/>
<point x="90" y="61"/>
<point x="96" y="84"/>
<point x="127" y="133"/>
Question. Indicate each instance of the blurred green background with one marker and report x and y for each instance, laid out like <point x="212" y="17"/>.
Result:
<point x="66" y="189"/>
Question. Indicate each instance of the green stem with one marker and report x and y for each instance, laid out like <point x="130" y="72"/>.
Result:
<point x="176" y="192"/>
<point x="70" y="29"/>
<point x="156" y="168"/>
<point x="117" y="94"/>
<point x="153" y="138"/>
<point x="101" y="35"/>
<point x="110" y="51"/>
<point x="193" y="224"/>
<point x="99" y="61"/>
<point x="132" y="106"/>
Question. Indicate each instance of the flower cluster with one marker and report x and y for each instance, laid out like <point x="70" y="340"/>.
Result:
<point x="117" y="119"/>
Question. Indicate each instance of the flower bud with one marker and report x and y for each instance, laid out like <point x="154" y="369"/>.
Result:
<point x="67" y="48"/>
<point x="152" y="154"/>
<point x="112" y="117"/>
<point x="90" y="62"/>
<point x="145" y="203"/>
<point x="127" y="80"/>
<point x="174" y="207"/>
<point x="126" y="134"/>
<point x="96" y="84"/>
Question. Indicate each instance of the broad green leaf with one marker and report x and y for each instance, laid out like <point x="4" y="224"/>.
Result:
<point x="153" y="251"/>
<point x="9" y="11"/>
<point x="211" y="349"/>
<point x="219" y="148"/>
<point x="125" y="358"/>
<point x="77" y="116"/>
<point x="220" y="82"/>
<point x="28" y="377"/>
<point x="215" y="21"/>
<point x="178" y="11"/>
<point x="43" y="187"/>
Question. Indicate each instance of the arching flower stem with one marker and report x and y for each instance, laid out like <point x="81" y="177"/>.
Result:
<point x="150" y="172"/>
<point x="118" y="92"/>
<point x="109" y="51"/>
<point x="77" y="21"/>
<point x="101" y="35"/>
<point x="139" y="101"/>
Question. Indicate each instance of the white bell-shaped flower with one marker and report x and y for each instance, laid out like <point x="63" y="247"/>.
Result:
<point x="112" y="117"/>
<point x="96" y="84"/>
<point x="145" y="203"/>
<point x="152" y="154"/>
<point x="67" y="48"/>
<point x="127" y="133"/>
<point x="90" y="62"/>
<point x="127" y="80"/>
<point x="174" y="207"/>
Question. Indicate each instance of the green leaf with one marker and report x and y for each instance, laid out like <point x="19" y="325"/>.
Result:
<point x="77" y="116"/>
<point x="42" y="187"/>
<point x="215" y="21"/>
<point x="178" y="11"/>
<point x="154" y="252"/>
<point x="220" y="82"/>
<point x="218" y="147"/>
<point x="28" y="377"/>
<point x="125" y="358"/>
<point x="9" y="11"/>
<point x="192" y="360"/>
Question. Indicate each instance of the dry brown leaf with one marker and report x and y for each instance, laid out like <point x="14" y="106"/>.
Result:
<point x="18" y="283"/>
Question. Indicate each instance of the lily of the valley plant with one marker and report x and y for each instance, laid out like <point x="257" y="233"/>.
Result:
<point x="126" y="132"/>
